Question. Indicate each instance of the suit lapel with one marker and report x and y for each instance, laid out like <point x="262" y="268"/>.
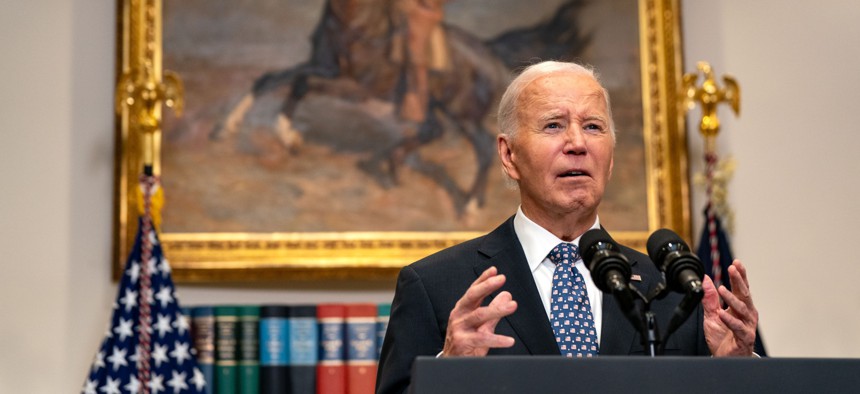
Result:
<point x="503" y="250"/>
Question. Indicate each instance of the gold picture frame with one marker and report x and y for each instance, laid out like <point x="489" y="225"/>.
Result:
<point x="245" y="256"/>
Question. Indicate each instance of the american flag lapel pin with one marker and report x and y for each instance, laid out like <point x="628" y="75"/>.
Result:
<point x="635" y="277"/>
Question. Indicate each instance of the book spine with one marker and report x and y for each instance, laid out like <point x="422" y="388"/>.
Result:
<point x="304" y="351"/>
<point x="249" y="349"/>
<point x="383" y="313"/>
<point x="274" y="349"/>
<point x="361" y="353"/>
<point x="226" y="349"/>
<point x="203" y="337"/>
<point x="331" y="371"/>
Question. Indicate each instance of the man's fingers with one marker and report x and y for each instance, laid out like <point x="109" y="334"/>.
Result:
<point x="486" y="274"/>
<point x="733" y="302"/>
<point x="742" y="269"/>
<point x="732" y="322"/>
<point x="711" y="300"/>
<point x="738" y="307"/>
<point x="741" y="331"/>
<point x="481" y="339"/>
<point x="739" y="281"/>
<point x="471" y="330"/>
<point x="491" y="340"/>
<point x="502" y="305"/>
<point x="486" y="284"/>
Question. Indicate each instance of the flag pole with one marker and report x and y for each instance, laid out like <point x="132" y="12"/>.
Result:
<point x="709" y="95"/>
<point x="142" y="91"/>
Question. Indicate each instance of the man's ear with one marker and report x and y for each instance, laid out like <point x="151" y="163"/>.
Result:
<point x="506" y="155"/>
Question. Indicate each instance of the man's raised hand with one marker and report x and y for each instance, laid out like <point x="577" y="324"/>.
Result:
<point x="471" y="327"/>
<point x="731" y="331"/>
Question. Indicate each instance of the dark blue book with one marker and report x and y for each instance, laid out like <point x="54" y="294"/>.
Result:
<point x="203" y="338"/>
<point x="274" y="349"/>
<point x="331" y="369"/>
<point x="361" y="354"/>
<point x="303" y="349"/>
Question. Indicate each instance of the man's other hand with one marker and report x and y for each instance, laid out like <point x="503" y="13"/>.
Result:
<point x="730" y="331"/>
<point x="471" y="327"/>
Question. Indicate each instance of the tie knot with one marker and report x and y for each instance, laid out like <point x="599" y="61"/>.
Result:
<point x="564" y="253"/>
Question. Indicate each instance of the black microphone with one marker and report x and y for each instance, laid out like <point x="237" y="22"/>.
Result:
<point x="611" y="272"/>
<point x="609" y="268"/>
<point x="683" y="269"/>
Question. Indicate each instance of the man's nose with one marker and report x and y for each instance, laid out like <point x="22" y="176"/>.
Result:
<point x="575" y="141"/>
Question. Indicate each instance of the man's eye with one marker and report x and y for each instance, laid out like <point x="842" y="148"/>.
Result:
<point x="593" y="127"/>
<point x="553" y="125"/>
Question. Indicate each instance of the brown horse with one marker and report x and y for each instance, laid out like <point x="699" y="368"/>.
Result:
<point x="358" y="54"/>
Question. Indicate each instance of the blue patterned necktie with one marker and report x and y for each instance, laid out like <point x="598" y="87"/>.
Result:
<point x="570" y="311"/>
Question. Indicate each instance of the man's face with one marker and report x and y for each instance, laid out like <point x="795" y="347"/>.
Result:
<point x="561" y="154"/>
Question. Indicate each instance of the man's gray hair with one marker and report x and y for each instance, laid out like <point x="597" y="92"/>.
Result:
<point x="507" y="118"/>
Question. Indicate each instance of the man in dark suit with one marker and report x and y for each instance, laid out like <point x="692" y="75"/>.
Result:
<point x="522" y="289"/>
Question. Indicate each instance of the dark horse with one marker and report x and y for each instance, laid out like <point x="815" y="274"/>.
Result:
<point x="351" y="58"/>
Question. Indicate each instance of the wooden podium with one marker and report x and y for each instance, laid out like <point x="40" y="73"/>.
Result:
<point x="547" y="374"/>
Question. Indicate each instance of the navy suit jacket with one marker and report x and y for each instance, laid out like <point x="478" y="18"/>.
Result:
<point x="428" y="289"/>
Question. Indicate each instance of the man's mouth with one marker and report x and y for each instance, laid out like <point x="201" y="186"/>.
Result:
<point x="573" y="173"/>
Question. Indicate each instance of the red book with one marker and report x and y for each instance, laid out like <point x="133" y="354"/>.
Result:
<point x="331" y="370"/>
<point x="361" y="356"/>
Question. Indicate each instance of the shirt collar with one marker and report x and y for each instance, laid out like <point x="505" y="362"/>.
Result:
<point x="537" y="241"/>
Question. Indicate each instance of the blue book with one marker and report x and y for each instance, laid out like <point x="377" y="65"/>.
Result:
<point x="361" y="354"/>
<point x="203" y="338"/>
<point x="331" y="369"/>
<point x="303" y="348"/>
<point x="274" y="349"/>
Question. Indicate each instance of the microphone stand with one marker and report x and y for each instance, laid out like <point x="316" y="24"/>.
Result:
<point x="682" y="312"/>
<point x="645" y="320"/>
<point x="654" y="345"/>
<point x="648" y="329"/>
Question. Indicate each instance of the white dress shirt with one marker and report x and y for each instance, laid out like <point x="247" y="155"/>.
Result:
<point x="537" y="243"/>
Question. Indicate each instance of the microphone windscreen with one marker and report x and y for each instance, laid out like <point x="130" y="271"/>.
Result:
<point x="589" y="239"/>
<point x="659" y="239"/>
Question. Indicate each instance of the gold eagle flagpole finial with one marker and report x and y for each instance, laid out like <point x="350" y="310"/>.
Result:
<point x="709" y="96"/>
<point x="142" y="89"/>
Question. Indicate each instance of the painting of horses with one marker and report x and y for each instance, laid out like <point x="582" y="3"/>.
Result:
<point x="375" y="115"/>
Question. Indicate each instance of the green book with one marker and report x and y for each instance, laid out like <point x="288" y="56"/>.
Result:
<point x="226" y="350"/>
<point x="249" y="349"/>
<point x="384" y="311"/>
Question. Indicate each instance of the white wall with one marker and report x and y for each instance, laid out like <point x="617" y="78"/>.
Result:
<point x="797" y="66"/>
<point x="56" y="144"/>
<point x="31" y="172"/>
